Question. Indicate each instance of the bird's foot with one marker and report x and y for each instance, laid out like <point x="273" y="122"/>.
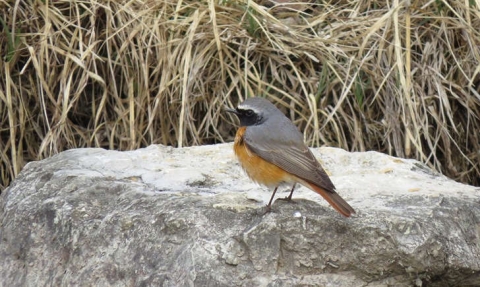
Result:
<point x="287" y="198"/>
<point x="268" y="209"/>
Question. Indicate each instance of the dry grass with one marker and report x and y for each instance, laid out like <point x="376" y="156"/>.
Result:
<point x="395" y="76"/>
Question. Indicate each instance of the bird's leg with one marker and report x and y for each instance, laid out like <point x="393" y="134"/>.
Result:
<point x="269" y="205"/>
<point x="289" y="198"/>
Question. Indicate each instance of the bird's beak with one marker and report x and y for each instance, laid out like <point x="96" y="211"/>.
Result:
<point x="233" y="111"/>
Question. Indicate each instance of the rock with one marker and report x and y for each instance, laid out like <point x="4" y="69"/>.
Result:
<point x="162" y="216"/>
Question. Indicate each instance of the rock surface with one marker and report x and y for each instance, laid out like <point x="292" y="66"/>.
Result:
<point x="162" y="216"/>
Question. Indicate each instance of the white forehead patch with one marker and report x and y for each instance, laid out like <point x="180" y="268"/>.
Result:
<point x="248" y="107"/>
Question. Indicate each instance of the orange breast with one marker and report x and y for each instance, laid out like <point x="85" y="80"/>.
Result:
<point x="257" y="168"/>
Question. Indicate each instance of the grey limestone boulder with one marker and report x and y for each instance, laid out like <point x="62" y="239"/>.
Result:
<point x="162" y="216"/>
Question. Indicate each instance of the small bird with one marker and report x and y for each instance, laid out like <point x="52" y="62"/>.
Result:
<point x="271" y="150"/>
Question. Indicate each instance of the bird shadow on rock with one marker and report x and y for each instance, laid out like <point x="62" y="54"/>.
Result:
<point x="300" y="207"/>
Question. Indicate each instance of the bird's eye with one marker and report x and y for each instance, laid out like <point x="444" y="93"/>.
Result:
<point x="249" y="113"/>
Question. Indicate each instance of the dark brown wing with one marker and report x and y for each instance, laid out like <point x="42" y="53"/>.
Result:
<point x="286" y="149"/>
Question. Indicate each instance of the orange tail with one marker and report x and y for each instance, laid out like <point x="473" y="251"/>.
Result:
<point x="335" y="201"/>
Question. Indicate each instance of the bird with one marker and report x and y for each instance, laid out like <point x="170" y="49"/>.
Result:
<point x="271" y="150"/>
